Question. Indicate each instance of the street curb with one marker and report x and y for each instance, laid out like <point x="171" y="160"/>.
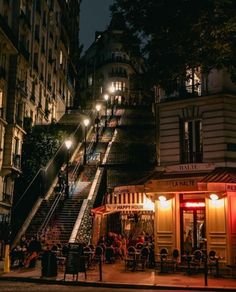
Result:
<point x="115" y="285"/>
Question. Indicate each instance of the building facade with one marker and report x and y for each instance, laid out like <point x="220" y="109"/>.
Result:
<point x="194" y="185"/>
<point x="110" y="65"/>
<point x="38" y="71"/>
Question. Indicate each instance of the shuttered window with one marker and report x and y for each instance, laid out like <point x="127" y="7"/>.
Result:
<point x="190" y="141"/>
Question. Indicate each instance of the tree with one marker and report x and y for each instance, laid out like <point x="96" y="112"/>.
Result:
<point x="177" y="35"/>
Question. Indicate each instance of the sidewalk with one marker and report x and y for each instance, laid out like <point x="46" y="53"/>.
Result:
<point x="114" y="275"/>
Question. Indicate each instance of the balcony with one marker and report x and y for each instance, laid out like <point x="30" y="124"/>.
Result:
<point x="115" y="60"/>
<point x="118" y="74"/>
<point x="19" y="121"/>
<point x="21" y="86"/>
<point x="16" y="161"/>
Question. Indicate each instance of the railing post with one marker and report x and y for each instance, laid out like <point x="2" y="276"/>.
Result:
<point x="206" y="271"/>
<point x="100" y="269"/>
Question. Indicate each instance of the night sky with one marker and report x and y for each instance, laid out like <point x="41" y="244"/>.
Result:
<point x="94" y="16"/>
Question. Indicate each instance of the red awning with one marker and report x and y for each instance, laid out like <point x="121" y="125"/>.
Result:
<point x="101" y="210"/>
<point x="221" y="175"/>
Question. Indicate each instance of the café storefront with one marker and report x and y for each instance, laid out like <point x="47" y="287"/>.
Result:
<point x="127" y="211"/>
<point x="195" y="209"/>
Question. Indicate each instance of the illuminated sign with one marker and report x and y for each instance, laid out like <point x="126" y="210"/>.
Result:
<point x="125" y="207"/>
<point x="190" y="167"/>
<point x="171" y="185"/>
<point x="193" y="204"/>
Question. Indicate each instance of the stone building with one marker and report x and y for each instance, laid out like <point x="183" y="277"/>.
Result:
<point x="111" y="66"/>
<point x="39" y="48"/>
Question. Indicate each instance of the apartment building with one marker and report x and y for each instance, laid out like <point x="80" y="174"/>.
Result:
<point x="194" y="185"/>
<point x="38" y="70"/>
<point x="110" y="66"/>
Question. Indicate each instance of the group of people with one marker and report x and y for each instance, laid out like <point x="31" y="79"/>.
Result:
<point x="120" y="243"/>
<point x="115" y="241"/>
<point x="26" y="252"/>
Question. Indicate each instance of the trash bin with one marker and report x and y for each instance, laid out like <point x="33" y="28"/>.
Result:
<point x="49" y="264"/>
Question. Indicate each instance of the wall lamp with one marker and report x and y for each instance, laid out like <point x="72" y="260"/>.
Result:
<point x="214" y="197"/>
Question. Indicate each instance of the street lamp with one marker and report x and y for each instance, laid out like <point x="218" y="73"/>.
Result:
<point x="106" y="96"/>
<point x="86" y="123"/>
<point x="98" y="108"/>
<point x="112" y="90"/>
<point x="68" y="144"/>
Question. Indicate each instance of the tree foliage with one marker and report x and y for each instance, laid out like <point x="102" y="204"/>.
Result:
<point x="182" y="34"/>
<point x="39" y="147"/>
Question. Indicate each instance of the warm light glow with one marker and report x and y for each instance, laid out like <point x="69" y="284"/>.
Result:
<point x="86" y="122"/>
<point x="193" y="204"/>
<point x="148" y="204"/>
<point x="214" y="197"/>
<point x="162" y="198"/>
<point x="112" y="89"/>
<point x="165" y="204"/>
<point x="98" y="107"/>
<point x="106" y="96"/>
<point x="68" y="143"/>
<point x="216" y="203"/>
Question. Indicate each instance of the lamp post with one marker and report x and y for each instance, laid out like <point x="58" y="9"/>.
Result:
<point x="106" y="96"/>
<point x="98" y="108"/>
<point x="86" y="123"/>
<point x="112" y="90"/>
<point x="68" y="144"/>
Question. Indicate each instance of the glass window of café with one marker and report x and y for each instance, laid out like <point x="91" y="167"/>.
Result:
<point x="192" y="225"/>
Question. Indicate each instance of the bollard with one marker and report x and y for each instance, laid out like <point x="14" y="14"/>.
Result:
<point x="206" y="272"/>
<point x="100" y="269"/>
<point x="7" y="259"/>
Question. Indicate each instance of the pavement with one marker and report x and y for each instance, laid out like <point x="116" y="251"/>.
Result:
<point x="115" y="276"/>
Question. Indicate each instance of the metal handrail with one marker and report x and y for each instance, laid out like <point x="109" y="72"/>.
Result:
<point x="42" y="169"/>
<point x="51" y="211"/>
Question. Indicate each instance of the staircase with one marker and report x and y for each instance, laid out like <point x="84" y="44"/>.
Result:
<point x="61" y="225"/>
<point x="39" y="217"/>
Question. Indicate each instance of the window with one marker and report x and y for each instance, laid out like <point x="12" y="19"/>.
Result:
<point x="118" y="85"/>
<point x="61" y="58"/>
<point x="191" y="141"/>
<point x="90" y="80"/>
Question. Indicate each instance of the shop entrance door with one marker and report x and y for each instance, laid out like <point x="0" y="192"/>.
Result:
<point x="192" y="229"/>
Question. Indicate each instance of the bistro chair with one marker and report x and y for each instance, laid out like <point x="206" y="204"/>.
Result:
<point x="88" y="254"/>
<point x="213" y="263"/>
<point x="196" y="261"/>
<point x="109" y="255"/>
<point x="130" y="260"/>
<point x="172" y="262"/>
<point x="142" y="260"/>
<point x="98" y="255"/>
<point x="139" y="245"/>
<point x="162" y="260"/>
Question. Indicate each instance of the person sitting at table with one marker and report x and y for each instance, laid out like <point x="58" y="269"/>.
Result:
<point x="188" y="243"/>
